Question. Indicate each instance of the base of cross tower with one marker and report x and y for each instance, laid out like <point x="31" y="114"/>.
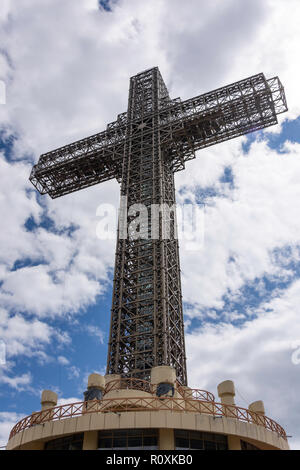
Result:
<point x="121" y="413"/>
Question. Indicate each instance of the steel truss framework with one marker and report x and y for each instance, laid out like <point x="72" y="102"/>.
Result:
<point x="143" y="149"/>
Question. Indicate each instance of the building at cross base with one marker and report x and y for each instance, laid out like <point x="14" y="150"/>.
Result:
<point x="127" y="413"/>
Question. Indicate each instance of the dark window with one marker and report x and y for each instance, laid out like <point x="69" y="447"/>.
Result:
<point x="119" y="442"/>
<point x="128" y="439"/>
<point x="135" y="442"/>
<point x="66" y="443"/>
<point x="210" y="445"/>
<point x="150" y="441"/>
<point x="196" y="444"/>
<point x="105" y="443"/>
<point x="222" y="446"/>
<point x="247" y="446"/>
<point x="199" y="440"/>
<point x="182" y="443"/>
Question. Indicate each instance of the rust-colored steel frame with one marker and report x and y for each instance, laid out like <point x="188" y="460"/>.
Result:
<point x="150" y="404"/>
<point x="146" y="320"/>
<point x="237" y="109"/>
<point x="142" y="149"/>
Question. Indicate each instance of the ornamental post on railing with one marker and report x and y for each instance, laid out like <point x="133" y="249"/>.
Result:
<point x="257" y="412"/>
<point x="226" y="392"/>
<point x="163" y="380"/>
<point x="48" y="401"/>
<point x="94" y="392"/>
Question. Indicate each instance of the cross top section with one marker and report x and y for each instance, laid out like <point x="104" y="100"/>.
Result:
<point x="143" y="149"/>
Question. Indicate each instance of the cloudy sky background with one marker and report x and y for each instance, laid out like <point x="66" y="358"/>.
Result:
<point x="66" y="66"/>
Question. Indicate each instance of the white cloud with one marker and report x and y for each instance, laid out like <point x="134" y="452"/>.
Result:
<point x="26" y="338"/>
<point x="96" y="332"/>
<point x="63" y="360"/>
<point x="257" y="356"/>
<point x="19" y="383"/>
<point x="4" y="9"/>
<point x="73" y="291"/>
<point x="71" y="268"/>
<point x="243" y="229"/>
<point x="67" y="401"/>
<point x="73" y="373"/>
<point x="23" y="336"/>
<point x="7" y="422"/>
<point x="16" y="207"/>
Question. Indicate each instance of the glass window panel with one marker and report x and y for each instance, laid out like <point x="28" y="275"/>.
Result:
<point x="247" y="446"/>
<point x="129" y="439"/>
<point x="209" y="445"/>
<point x="105" y="443"/>
<point x="135" y="442"/>
<point x="220" y="438"/>
<point x="118" y="433"/>
<point x="66" y="443"/>
<point x="106" y="434"/>
<point x="195" y="435"/>
<point x="120" y="442"/>
<point x="150" y="441"/>
<point x="181" y="442"/>
<point x="75" y="446"/>
<point x="222" y="446"/>
<point x="185" y="439"/>
<point x="149" y="432"/>
<point x="196" y="444"/>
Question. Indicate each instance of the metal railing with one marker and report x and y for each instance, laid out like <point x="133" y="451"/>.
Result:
<point x="148" y="404"/>
<point x="131" y="383"/>
<point x="194" y="393"/>
<point x="128" y="383"/>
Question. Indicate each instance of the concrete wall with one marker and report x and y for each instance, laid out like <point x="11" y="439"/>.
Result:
<point x="162" y="420"/>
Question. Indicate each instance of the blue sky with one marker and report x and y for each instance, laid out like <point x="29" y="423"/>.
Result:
<point x="241" y="288"/>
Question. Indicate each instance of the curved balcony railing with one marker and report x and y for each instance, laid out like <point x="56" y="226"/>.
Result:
<point x="195" y="393"/>
<point x="145" y="386"/>
<point x="128" y="383"/>
<point x="147" y="404"/>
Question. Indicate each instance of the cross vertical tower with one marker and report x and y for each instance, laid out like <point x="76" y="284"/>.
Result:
<point x="146" y="318"/>
<point x="142" y="149"/>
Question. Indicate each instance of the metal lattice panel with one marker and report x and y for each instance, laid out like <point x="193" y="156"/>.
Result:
<point x="142" y="149"/>
<point x="146" y="320"/>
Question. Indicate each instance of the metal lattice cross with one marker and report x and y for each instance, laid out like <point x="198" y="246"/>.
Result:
<point x="142" y="149"/>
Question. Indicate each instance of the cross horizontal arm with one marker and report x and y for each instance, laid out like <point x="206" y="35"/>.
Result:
<point x="89" y="161"/>
<point x="222" y="114"/>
